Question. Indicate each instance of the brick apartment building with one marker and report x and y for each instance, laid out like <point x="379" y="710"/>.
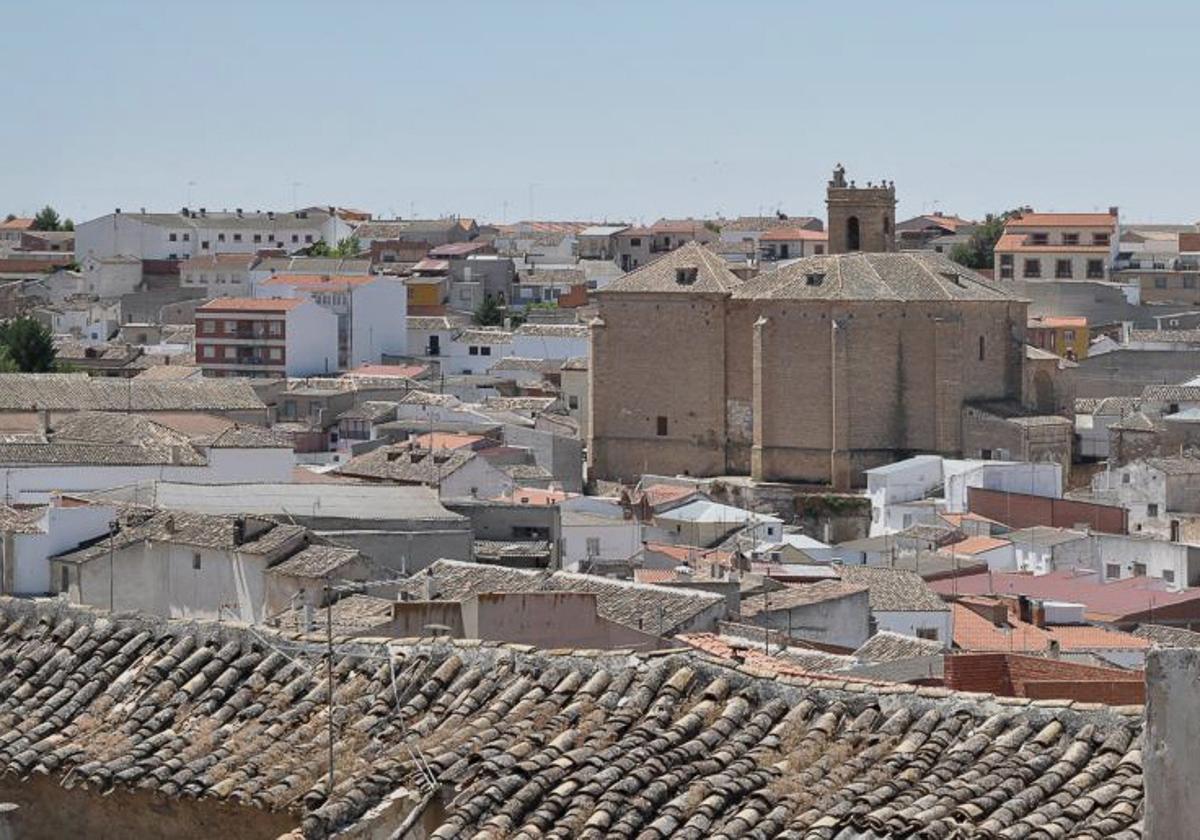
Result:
<point x="812" y="372"/>
<point x="265" y="337"/>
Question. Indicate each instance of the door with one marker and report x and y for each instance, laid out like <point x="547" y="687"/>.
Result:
<point x="435" y="345"/>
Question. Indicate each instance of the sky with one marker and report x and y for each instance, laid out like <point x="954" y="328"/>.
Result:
<point x="599" y="111"/>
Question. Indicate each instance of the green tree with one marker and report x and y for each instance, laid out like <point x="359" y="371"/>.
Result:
<point x="346" y="248"/>
<point x="979" y="251"/>
<point x="489" y="313"/>
<point x="47" y="219"/>
<point x="28" y="345"/>
<point x="67" y="224"/>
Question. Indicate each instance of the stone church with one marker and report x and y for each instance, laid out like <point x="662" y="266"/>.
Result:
<point x="812" y="372"/>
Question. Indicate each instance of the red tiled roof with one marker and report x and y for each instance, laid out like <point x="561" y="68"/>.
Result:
<point x="687" y="554"/>
<point x="457" y="249"/>
<point x="755" y="659"/>
<point x="660" y="494"/>
<point x="536" y="496"/>
<point x="213" y="260"/>
<point x="17" y="224"/>
<point x="973" y="631"/>
<point x="684" y="226"/>
<point x="975" y="545"/>
<point x="31" y="266"/>
<point x="401" y="371"/>
<point x="653" y="575"/>
<point x="1016" y="242"/>
<point x="792" y="234"/>
<point x="1103" y="601"/>
<point x="445" y="440"/>
<point x="251" y="305"/>
<point x="1037" y="220"/>
<point x="1059" y="321"/>
<point x="319" y="281"/>
<point x="432" y="265"/>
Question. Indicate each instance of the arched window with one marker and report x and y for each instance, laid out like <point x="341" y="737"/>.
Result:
<point x="852" y="238"/>
<point x="887" y="225"/>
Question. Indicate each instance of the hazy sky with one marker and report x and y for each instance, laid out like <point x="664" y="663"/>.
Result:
<point x="618" y="110"/>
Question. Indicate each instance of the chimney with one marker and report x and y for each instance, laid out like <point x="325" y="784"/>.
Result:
<point x="429" y="585"/>
<point x="118" y="211"/>
<point x="1055" y="649"/>
<point x="169" y="523"/>
<point x="239" y="530"/>
<point x="307" y="617"/>
<point x="44" y="421"/>
<point x="1112" y="211"/>
<point x="1170" y="769"/>
<point x="176" y="454"/>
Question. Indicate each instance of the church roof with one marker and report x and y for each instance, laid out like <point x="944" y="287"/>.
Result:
<point x="905" y="276"/>
<point x="690" y="269"/>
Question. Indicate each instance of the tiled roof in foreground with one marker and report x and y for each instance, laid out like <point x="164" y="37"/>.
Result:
<point x="566" y="744"/>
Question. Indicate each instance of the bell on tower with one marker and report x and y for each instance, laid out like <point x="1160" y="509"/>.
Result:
<point x="860" y="218"/>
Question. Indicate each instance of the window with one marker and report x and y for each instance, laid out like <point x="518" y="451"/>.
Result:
<point x="1039" y="239"/>
<point x="982" y="353"/>
<point x="270" y="237"/>
<point x="187" y="237"/>
<point x="661" y="426"/>
<point x="258" y="237"/>
<point x="204" y="245"/>
<point x="472" y="351"/>
<point x="230" y="352"/>
<point x="195" y="561"/>
<point x="820" y="249"/>
<point x="635" y="242"/>
<point x="1189" y="282"/>
<point x="1069" y="336"/>
<point x="1139" y="569"/>
<point x="1099" y="238"/>
<point x="1033" y="268"/>
<point x="1168" y="575"/>
<point x="1095" y="269"/>
<point x="485" y="351"/>
<point x="593" y="546"/>
<point x="308" y="237"/>
<point x="814" y="279"/>
<point x="172" y="256"/>
<point x="573" y="402"/>
<point x="853" y="240"/>
<point x="1125" y="478"/>
<point x="237" y="237"/>
<point x="1006" y="266"/>
<point x="686" y="276"/>
<point x="1062" y="269"/>
<point x="929" y="633"/>
<point x="1070" y="238"/>
<point x="209" y="351"/>
<point x="1160" y="282"/>
<point x="295" y="237"/>
<point x="1112" y="571"/>
<point x="276" y="353"/>
<point x="210" y="326"/>
<point x="1152" y="509"/>
<point x="230" y="326"/>
<point x="64" y="582"/>
<point x="172" y="237"/>
<point x="220" y="237"/>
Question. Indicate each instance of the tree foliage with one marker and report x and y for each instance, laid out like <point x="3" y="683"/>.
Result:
<point x="26" y="345"/>
<point x="489" y="313"/>
<point x="346" y="248"/>
<point x="47" y="219"/>
<point x="979" y="252"/>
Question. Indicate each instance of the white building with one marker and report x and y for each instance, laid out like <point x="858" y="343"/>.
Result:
<point x="110" y="276"/>
<point x="219" y="275"/>
<point x="193" y="232"/>
<point x="275" y="337"/>
<point x="903" y="603"/>
<point x="180" y="565"/>
<point x="702" y="522"/>
<point x="32" y="537"/>
<point x="597" y="532"/>
<point x="430" y="335"/>
<point x="475" y="350"/>
<point x="371" y="310"/>
<point x="1058" y="246"/>
<point x="551" y="341"/>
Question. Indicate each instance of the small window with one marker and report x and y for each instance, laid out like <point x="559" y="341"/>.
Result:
<point x="210" y="326"/>
<point x="1095" y="269"/>
<point x="982" y="349"/>
<point x="1062" y="269"/>
<point x="572" y="402"/>
<point x="1152" y="509"/>
<point x="276" y="354"/>
<point x="220" y="237"/>
<point x="929" y="633"/>
<point x="64" y="582"/>
<point x="593" y="546"/>
<point x="1168" y="575"/>
<point x="485" y="351"/>
<point x="230" y="326"/>
<point x="635" y="242"/>
<point x="237" y="237"/>
<point x="295" y="237"/>
<point x="1033" y="268"/>
<point x="1112" y="571"/>
<point x="1039" y="239"/>
<point x="1070" y="238"/>
<point x="1099" y="238"/>
<point x="661" y="426"/>
<point x="258" y="237"/>
<point x="172" y="237"/>
<point x="195" y="561"/>
<point x="209" y="351"/>
<point x="814" y="279"/>
<point x="187" y="237"/>
<point x="204" y="245"/>
<point x="1006" y="259"/>
<point x="1125" y="478"/>
<point x="686" y="276"/>
<point x="472" y="351"/>
<point x="308" y="237"/>
<point x="1139" y="569"/>
<point x="275" y="327"/>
